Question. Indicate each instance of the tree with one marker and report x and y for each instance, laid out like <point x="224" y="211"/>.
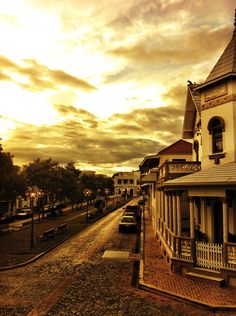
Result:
<point x="45" y="174"/>
<point x="59" y="183"/>
<point x="70" y="183"/>
<point x="12" y="182"/>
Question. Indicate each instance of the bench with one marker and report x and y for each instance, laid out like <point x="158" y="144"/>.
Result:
<point x="47" y="234"/>
<point x="61" y="228"/>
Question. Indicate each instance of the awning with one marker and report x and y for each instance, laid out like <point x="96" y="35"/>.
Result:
<point x="145" y="184"/>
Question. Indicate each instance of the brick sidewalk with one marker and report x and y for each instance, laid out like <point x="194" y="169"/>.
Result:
<point x="158" y="276"/>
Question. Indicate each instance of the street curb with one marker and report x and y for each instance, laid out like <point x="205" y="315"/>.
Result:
<point x="38" y="256"/>
<point x="157" y="290"/>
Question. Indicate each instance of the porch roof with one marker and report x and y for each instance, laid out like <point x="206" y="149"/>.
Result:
<point x="224" y="174"/>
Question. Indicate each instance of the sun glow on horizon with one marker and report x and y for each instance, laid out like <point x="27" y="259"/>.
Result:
<point x="25" y="106"/>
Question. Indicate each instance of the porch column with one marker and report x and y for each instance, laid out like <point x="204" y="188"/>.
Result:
<point x="170" y="211"/>
<point x="163" y="205"/>
<point x="195" y="211"/>
<point x="161" y="211"/>
<point x="174" y="200"/>
<point x="158" y="208"/>
<point x="166" y="210"/>
<point x="225" y="220"/>
<point x="191" y="209"/>
<point x="179" y="228"/>
<point x="203" y="214"/>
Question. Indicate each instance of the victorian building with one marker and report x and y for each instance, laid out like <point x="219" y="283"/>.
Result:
<point x="194" y="215"/>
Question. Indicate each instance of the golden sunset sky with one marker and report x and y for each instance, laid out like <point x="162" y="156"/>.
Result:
<point x="103" y="83"/>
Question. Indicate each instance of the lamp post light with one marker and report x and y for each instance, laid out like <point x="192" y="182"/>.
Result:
<point x="107" y="192"/>
<point x="32" y="192"/>
<point x="87" y="194"/>
<point x="39" y="195"/>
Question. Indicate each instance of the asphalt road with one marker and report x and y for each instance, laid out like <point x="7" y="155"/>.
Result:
<point x="73" y="279"/>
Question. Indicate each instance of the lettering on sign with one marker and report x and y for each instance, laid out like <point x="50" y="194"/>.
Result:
<point x="216" y="92"/>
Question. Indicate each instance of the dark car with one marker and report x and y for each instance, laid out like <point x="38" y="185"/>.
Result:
<point x="7" y="218"/>
<point x="135" y="210"/>
<point x="54" y="210"/>
<point x="128" y="223"/>
<point x="25" y="212"/>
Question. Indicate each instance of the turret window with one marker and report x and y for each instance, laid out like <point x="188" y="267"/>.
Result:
<point x="216" y="128"/>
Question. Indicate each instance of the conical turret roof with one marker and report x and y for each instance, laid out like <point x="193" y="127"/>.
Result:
<point x="226" y="65"/>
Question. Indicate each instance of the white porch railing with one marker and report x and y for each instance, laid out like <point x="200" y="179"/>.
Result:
<point x="183" y="248"/>
<point x="230" y="255"/>
<point x="209" y="256"/>
<point x="202" y="254"/>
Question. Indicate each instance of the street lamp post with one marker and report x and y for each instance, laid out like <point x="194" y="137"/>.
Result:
<point x="87" y="194"/>
<point x="32" y="192"/>
<point x="40" y="195"/>
<point x="106" y="192"/>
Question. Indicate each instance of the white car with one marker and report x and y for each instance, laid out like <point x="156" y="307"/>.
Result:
<point x="128" y="223"/>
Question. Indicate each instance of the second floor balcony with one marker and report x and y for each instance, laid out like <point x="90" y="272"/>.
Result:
<point x="174" y="169"/>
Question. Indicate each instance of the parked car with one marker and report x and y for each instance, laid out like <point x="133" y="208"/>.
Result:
<point x="7" y="218"/>
<point x="132" y="207"/>
<point x="53" y="210"/>
<point x="134" y="210"/>
<point x="25" y="212"/>
<point x="128" y="223"/>
<point x="128" y="213"/>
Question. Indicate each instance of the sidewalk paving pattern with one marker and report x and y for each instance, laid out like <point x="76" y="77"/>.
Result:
<point x="158" y="276"/>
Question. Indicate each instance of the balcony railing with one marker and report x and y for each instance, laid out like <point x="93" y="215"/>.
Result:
<point x="173" y="169"/>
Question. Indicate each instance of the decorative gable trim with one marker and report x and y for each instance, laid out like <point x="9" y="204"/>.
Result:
<point x="219" y="101"/>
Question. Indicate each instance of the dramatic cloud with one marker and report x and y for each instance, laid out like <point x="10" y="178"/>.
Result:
<point x="77" y="139"/>
<point x="194" y="47"/>
<point x="103" y="83"/>
<point x="40" y="77"/>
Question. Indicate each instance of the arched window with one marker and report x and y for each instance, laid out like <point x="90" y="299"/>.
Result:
<point x="216" y="127"/>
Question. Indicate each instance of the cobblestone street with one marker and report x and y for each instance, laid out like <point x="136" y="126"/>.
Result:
<point x="73" y="279"/>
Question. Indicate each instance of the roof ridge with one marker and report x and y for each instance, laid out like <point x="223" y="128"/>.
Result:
<point x="226" y="64"/>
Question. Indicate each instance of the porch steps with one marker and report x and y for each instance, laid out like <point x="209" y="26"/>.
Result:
<point x="213" y="273"/>
<point x="211" y="277"/>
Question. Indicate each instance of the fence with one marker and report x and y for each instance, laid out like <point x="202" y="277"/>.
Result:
<point x="209" y="255"/>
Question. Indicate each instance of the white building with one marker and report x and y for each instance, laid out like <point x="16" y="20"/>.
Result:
<point x="127" y="182"/>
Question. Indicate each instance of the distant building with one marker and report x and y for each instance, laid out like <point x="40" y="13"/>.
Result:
<point x="88" y="172"/>
<point x="127" y="182"/>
